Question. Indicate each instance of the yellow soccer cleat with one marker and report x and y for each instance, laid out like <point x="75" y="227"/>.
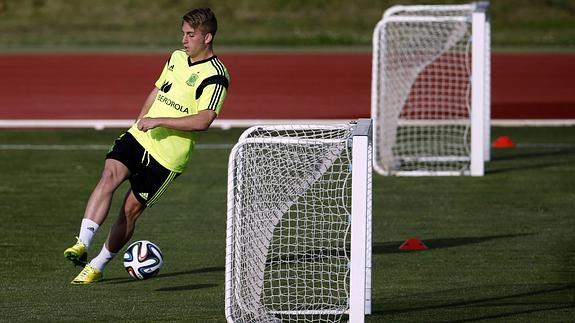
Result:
<point x="88" y="275"/>
<point x="77" y="253"/>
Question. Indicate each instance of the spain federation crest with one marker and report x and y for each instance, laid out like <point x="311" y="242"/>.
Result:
<point x="192" y="80"/>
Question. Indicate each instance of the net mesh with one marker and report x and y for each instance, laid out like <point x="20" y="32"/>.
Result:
<point x="423" y="90"/>
<point x="291" y="230"/>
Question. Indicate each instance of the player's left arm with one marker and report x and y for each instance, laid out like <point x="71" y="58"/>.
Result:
<point x="197" y="122"/>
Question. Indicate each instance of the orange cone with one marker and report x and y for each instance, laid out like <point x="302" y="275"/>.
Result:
<point x="503" y="142"/>
<point x="413" y="244"/>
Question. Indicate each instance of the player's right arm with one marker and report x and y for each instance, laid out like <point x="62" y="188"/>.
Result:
<point x="148" y="103"/>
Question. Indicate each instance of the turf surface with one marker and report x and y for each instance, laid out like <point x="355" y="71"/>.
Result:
<point x="501" y="247"/>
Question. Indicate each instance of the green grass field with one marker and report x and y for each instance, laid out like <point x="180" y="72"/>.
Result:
<point x="502" y="247"/>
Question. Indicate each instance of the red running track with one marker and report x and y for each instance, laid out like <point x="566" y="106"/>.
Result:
<point x="263" y="86"/>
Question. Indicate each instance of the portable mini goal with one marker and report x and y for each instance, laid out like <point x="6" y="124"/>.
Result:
<point x="430" y="90"/>
<point x="298" y="245"/>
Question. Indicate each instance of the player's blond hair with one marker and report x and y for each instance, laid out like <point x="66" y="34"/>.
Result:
<point x="202" y="18"/>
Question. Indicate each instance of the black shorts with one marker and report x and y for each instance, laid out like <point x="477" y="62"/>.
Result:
<point x="149" y="179"/>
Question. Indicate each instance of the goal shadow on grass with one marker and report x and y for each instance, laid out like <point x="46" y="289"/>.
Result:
<point x="547" y="152"/>
<point x="529" y="160"/>
<point x="384" y="248"/>
<point x="482" y="302"/>
<point x="393" y="246"/>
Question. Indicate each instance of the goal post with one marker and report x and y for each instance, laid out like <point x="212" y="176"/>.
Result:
<point x="298" y="241"/>
<point x="430" y="90"/>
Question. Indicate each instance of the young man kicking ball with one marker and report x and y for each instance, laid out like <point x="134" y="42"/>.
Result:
<point x="187" y="97"/>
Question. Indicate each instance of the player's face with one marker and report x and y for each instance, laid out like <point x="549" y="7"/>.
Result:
<point x="195" y="42"/>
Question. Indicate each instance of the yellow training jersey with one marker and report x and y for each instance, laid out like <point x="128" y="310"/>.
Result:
<point x="185" y="88"/>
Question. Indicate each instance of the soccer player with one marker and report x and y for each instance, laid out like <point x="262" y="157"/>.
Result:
<point x="187" y="97"/>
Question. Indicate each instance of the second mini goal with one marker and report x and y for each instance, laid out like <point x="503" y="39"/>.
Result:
<point x="430" y="90"/>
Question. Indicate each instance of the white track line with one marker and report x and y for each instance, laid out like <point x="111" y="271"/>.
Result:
<point x="246" y="123"/>
<point x="100" y="124"/>
<point x="72" y="147"/>
<point x="95" y="147"/>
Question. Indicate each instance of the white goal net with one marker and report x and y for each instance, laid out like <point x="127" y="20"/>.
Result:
<point x="430" y="84"/>
<point x="289" y="229"/>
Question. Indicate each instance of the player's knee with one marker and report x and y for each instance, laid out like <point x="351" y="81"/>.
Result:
<point x="109" y="178"/>
<point x="114" y="174"/>
<point x="132" y="209"/>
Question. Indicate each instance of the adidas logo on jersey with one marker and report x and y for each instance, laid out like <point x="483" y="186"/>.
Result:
<point x="166" y="87"/>
<point x="171" y="68"/>
<point x="144" y="196"/>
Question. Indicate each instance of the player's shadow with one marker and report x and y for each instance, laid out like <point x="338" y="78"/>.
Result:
<point x="192" y="272"/>
<point x="185" y="287"/>
<point x="393" y="246"/>
<point x="166" y="275"/>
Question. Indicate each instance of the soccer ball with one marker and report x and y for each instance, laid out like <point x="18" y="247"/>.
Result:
<point x="143" y="259"/>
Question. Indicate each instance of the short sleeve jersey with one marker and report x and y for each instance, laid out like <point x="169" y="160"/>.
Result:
<point x="185" y="88"/>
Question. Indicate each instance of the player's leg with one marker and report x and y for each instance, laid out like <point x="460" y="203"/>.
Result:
<point x="154" y="179"/>
<point x="149" y="183"/>
<point x="97" y="209"/>
<point x="119" y="235"/>
<point x="125" y="224"/>
<point x="98" y="206"/>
